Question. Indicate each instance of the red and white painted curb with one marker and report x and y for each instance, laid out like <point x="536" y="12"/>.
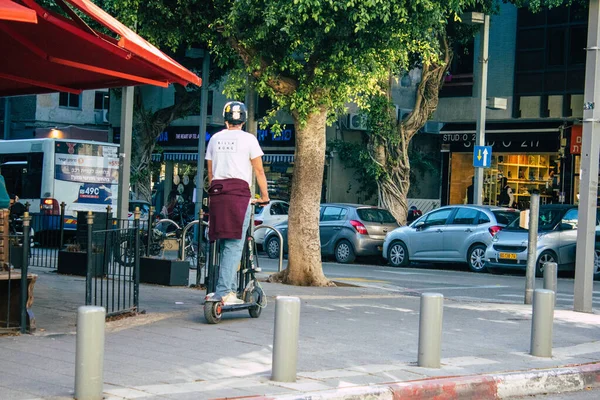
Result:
<point x="472" y="387"/>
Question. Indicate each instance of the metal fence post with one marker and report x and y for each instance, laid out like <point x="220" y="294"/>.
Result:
<point x="88" y="275"/>
<point x="285" y="339"/>
<point x="430" y="330"/>
<point x="89" y="353"/>
<point x="150" y="220"/>
<point x="136" y="259"/>
<point x="62" y="224"/>
<point x="534" y="213"/>
<point x="24" y="267"/>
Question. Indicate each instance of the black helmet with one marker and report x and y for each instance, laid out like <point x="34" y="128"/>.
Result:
<point x="235" y="112"/>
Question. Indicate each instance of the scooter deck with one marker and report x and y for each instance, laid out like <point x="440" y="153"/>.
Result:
<point x="235" y="307"/>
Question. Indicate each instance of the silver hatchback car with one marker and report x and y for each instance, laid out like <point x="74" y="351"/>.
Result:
<point x="557" y="242"/>
<point x="458" y="233"/>
<point x="346" y="231"/>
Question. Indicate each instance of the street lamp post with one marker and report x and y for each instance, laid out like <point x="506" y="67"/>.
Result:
<point x="588" y="191"/>
<point x="483" y="20"/>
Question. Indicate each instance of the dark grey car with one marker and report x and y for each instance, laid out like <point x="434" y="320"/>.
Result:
<point x="346" y="231"/>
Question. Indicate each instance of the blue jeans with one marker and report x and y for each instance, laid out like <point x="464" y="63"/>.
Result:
<point x="229" y="258"/>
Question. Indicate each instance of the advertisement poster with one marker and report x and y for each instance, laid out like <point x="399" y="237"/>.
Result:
<point x="88" y="174"/>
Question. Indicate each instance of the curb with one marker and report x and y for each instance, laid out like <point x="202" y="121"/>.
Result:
<point x="485" y="386"/>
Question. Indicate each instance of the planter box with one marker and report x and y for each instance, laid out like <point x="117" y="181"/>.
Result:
<point x="164" y="272"/>
<point x="75" y="263"/>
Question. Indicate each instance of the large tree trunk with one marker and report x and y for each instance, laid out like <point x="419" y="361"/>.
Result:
<point x="304" y="260"/>
<point x="393" y="186"/>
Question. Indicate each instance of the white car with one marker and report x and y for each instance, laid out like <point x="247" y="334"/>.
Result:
<point x="271" y="214"/>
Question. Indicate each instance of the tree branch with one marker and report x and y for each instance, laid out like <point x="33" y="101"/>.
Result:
<point x="282" y="85"/>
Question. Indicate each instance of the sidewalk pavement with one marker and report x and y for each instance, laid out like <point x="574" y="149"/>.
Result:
<point x="355" y="343"/>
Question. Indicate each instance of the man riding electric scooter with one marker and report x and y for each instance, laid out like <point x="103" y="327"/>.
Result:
<point x="232" y="154"/>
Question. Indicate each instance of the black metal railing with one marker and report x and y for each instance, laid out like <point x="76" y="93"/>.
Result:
<point x="113" y="256"/>
<point x="46" y="232"/>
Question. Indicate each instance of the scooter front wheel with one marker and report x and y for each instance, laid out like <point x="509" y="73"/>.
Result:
<point x="256" y="297"/>
<point x="213" y="312"/>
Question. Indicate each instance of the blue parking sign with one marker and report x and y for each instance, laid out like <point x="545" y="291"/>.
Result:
<point x="482" y="156"/>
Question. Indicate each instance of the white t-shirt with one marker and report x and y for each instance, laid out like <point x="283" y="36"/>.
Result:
<point x="231" y="152"/>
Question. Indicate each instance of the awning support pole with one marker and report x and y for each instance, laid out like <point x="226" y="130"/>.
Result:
<point x="125" y="151"/>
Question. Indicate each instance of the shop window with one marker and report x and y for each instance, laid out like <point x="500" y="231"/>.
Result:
<point x="465" y="216"/>
<point x="69" y="100"/>
<point x="101" y="101"/>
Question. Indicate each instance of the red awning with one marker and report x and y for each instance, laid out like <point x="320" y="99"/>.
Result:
<point x="11" y="11"/>
<point x="60" y="54"/>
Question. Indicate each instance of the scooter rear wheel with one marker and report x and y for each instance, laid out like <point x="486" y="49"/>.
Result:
<point x="212" y="312"/>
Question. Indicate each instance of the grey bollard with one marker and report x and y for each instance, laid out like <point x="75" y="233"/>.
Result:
<point x="430" y="330"/>
<point x="89" y="353"/>
<point x="550" y="277"/>
<point x="285" y="339"/>
<point x="541" y="323"/>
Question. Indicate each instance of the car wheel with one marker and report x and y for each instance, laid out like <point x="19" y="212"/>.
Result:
<point x="398" y="254"/>
<point x="546" y="256"/>
<point x="597" y="264"/>
<point x="476" y="258"/>
<point x="344" y="253"/>
<point x="272" y="247"/>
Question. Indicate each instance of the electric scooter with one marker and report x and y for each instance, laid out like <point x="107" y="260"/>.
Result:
<point x="249" y="289"/>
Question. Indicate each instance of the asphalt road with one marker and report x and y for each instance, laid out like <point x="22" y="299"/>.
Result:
<point x="452" y="280"/>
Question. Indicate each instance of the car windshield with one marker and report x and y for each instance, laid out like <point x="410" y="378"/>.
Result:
<point x="375" y="215"/>
<point x="547" y="220"/>
<point x="505" y="217"/>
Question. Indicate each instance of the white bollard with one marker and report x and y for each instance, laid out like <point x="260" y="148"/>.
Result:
<point x="285" y="339"/>
<point x="430" y="330"/>
<point x="541" y="323"/>
<point x="89" y="353"/>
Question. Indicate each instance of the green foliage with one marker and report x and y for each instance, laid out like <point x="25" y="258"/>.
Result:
<point x="355" y="156"/>
<point x="311" y="54"/>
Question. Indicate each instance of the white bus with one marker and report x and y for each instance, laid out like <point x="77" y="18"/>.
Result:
<point x="46" y="172"/>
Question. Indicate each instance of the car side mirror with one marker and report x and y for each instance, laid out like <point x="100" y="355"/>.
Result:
<point x="420" y="225"/>
<point x="566" y="227"/>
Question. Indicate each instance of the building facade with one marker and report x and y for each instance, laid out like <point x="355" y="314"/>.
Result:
<point x="536" y="62"/>
<point x="58" y="115"/>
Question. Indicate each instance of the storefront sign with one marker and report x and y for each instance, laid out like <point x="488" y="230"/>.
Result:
<point x="269" y="138"/>
<point x="576" y="136"/>
<point x="505" y="142"/>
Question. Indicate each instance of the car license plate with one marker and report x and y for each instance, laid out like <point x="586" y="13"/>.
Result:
<point x="508" y="256"/>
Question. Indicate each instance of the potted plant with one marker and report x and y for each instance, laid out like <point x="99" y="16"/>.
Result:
<point x="73" y="260"/>
<point x="163" y="271"/>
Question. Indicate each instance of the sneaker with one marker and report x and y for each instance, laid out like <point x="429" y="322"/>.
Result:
<point x="212" y="297"/>
<point x="231" y="298"/>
